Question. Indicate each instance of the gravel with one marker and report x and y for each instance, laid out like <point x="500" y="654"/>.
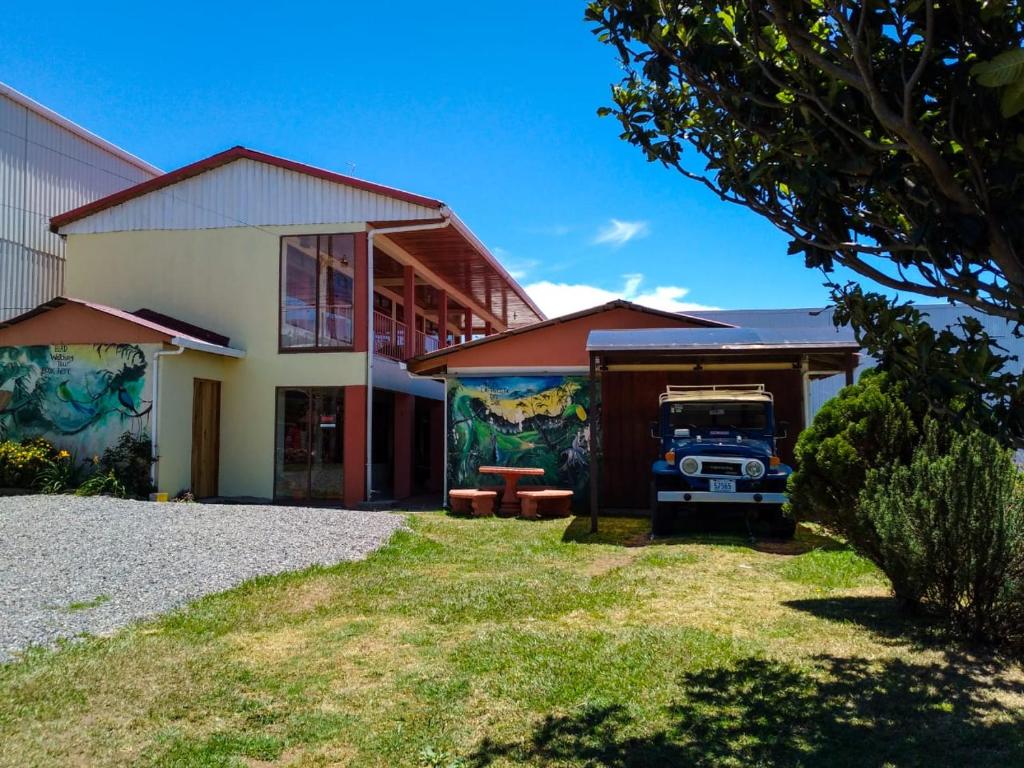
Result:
<point x="71" y="565"/>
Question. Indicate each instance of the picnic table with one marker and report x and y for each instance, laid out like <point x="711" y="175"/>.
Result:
<point x="511" y="475"/>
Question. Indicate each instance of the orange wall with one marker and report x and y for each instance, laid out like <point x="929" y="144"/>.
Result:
<point x="558" y="344"/>
<point x="75" y="324"/>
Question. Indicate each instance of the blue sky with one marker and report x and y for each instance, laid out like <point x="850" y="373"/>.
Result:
<point x="488" y="106"/>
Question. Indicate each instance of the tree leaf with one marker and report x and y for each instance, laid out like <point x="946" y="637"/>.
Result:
<point x="1012" y="101"/>
<point x="1006" y="68"/>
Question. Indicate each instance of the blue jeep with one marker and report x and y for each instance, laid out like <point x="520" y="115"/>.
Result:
<point x="718" y="456"/>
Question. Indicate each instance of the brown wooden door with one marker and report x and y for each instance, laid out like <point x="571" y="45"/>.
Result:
<point x="205" y="437"/>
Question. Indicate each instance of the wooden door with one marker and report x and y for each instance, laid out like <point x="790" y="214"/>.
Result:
<point x="205" y="437"/>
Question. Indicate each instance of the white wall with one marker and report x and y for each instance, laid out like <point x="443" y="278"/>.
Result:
<point x="47" y="166"/>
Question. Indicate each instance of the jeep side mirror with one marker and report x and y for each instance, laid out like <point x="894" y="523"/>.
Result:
<point x="655" y="430"/>
<point x="781" y="430"/>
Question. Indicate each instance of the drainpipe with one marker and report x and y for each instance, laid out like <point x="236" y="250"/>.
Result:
<point x="446" y="214"/>
<point x="154" y="432"/>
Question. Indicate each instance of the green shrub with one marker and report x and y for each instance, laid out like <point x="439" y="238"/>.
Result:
<point x="865" y="426"/>
<point x="62" y="474"/>
<point x="950" y="528"/>
<point x="22" y="463"/>
<point x="103" y="484"/>
<point x="130" y="460"/>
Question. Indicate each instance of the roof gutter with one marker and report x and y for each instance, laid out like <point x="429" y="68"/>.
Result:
<point x="446" y="214"/>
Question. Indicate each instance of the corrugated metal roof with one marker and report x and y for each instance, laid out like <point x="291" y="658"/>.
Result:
<point x="714" y="339"/>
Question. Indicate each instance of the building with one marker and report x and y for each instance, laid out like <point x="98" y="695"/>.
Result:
<point x="253" y="315"/>
<point x="47" y="165"/>
<point x="561" y="393"/>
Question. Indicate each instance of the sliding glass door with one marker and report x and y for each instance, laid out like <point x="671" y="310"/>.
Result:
<point x="309" y="443"/>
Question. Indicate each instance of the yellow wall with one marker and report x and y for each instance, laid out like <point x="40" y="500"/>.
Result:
<point x="225" y="280"/>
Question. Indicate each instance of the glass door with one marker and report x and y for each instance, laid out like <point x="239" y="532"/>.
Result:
<point x="308" y="443"/>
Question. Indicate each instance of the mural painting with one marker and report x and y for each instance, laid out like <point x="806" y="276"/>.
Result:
<point x="81" y="397"/>
<point x="520" y="421"/>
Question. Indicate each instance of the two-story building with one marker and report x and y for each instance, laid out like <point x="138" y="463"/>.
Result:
<point x="243" y="291"/>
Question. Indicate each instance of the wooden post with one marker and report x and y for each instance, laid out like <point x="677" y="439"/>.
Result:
<point x="595" y="474"/>
<point x="409" y="308"/>
<point x="851" y="366"/>
<point x="361" y="312"/>
<point x="488" y="330"/>
<point x="442" y="318"/>
<point x="467" y="327"/>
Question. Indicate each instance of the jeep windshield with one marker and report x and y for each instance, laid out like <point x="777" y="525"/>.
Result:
<point x="731" y="415"/>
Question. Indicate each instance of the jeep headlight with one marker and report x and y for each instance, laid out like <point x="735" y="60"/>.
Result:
<point x="689" y="466"/>
<point x="754" y="468"/>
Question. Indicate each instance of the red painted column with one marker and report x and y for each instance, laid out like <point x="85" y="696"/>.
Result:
<point x="354" y="490"/>
<point x="405" y="410"/>
<point x="467" y="328"/>
<point x="442" y="318"/>
<point x="360" y="324"/>
<point x="488" y="330"/>
<point x="409" y="307"/>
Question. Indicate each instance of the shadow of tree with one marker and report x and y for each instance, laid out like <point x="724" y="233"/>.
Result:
<point x="882" y="615"/>
<point x="842" y="712"/>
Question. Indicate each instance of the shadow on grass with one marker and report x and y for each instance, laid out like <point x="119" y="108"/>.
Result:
<point x="635" y="531"/>
<point x="880" y="615"/>
<point x="846" y="712"/>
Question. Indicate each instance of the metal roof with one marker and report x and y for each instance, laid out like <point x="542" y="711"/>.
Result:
<point x="715" y="339"/>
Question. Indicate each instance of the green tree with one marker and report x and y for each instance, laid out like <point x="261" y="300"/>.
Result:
<point x="886" y="136"/>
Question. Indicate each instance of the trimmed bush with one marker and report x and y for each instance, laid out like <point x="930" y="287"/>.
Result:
<point x="867" y="425"/>
<point x="950" y="532"/>
<point x="22" y="464"/>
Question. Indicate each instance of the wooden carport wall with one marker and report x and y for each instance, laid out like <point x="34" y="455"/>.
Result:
<point x="808" y="364"/>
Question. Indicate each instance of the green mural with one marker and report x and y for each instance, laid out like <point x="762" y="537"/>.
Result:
<point x="519" y="421"/>
<point x="81" y="397"/>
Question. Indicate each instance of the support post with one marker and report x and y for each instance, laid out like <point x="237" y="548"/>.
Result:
<point x="409" y="308"/>
<point x="354" y="489"/>
<point x="851" y="367"/>
<point x="595" y="451"/>
<point x="442" y="318"/>
<point x="361" y="293"/>
<point x="404" y="424"/>
<point x="488" y="330"/>
<point x="467" y="326"/>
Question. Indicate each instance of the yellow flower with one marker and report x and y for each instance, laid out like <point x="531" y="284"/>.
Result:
<point x="63" y="455"/>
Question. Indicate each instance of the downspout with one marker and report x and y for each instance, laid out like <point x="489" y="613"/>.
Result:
<point x="154" y="474"/>
<point x="446" y="214"/>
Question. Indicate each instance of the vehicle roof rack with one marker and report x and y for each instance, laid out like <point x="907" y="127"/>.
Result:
<point x="683" y="392"/>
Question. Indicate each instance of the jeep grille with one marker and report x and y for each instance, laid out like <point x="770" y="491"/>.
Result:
<point x="720" y="468"/>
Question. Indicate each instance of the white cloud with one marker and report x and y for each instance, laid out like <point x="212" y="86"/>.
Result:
<point x="617" y="232"/>
<point x="563" y="298"/>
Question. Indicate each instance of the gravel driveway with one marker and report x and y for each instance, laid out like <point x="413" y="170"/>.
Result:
<point x="70" y="565"/>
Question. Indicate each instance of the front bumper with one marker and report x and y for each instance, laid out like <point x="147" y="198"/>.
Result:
<point x="709" y="497"/>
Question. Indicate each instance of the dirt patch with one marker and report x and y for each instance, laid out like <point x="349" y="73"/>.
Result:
<point x="611" y="561"/>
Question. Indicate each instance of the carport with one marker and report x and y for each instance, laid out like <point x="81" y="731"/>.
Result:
<point x="630" y="368"/>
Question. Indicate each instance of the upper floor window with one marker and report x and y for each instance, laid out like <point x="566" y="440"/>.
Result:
<point x="316" y="291"/>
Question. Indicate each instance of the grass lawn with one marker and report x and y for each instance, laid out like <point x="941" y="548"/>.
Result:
<point x="503" y="642"/>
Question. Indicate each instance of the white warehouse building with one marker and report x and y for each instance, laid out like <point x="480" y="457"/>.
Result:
<point x="48" y="165"/>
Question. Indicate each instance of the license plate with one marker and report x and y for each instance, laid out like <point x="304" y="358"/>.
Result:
<point x="723" y="486"/>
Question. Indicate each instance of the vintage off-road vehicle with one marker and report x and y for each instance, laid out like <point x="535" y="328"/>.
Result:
<point x="718" y="456"/>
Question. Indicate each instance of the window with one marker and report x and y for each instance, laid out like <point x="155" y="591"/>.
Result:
<point x="723" y="415"/>
<point x="309" y="447"/>
<point x="316" y="291"/>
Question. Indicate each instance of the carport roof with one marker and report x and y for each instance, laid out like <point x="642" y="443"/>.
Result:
<point x="718" y="340"/>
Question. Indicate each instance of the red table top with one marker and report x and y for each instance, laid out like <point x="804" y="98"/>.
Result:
<point x="511" y="471"/>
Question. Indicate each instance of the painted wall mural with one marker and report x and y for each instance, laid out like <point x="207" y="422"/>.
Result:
<point x="81" y="397"/>
<point x="520" y="421"/>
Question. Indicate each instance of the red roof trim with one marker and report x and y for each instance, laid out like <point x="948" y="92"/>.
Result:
<point x="60" y="301"/>
<point x="223" y="158"/>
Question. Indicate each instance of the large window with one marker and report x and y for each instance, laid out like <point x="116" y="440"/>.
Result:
<point x="316" y="291"/>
